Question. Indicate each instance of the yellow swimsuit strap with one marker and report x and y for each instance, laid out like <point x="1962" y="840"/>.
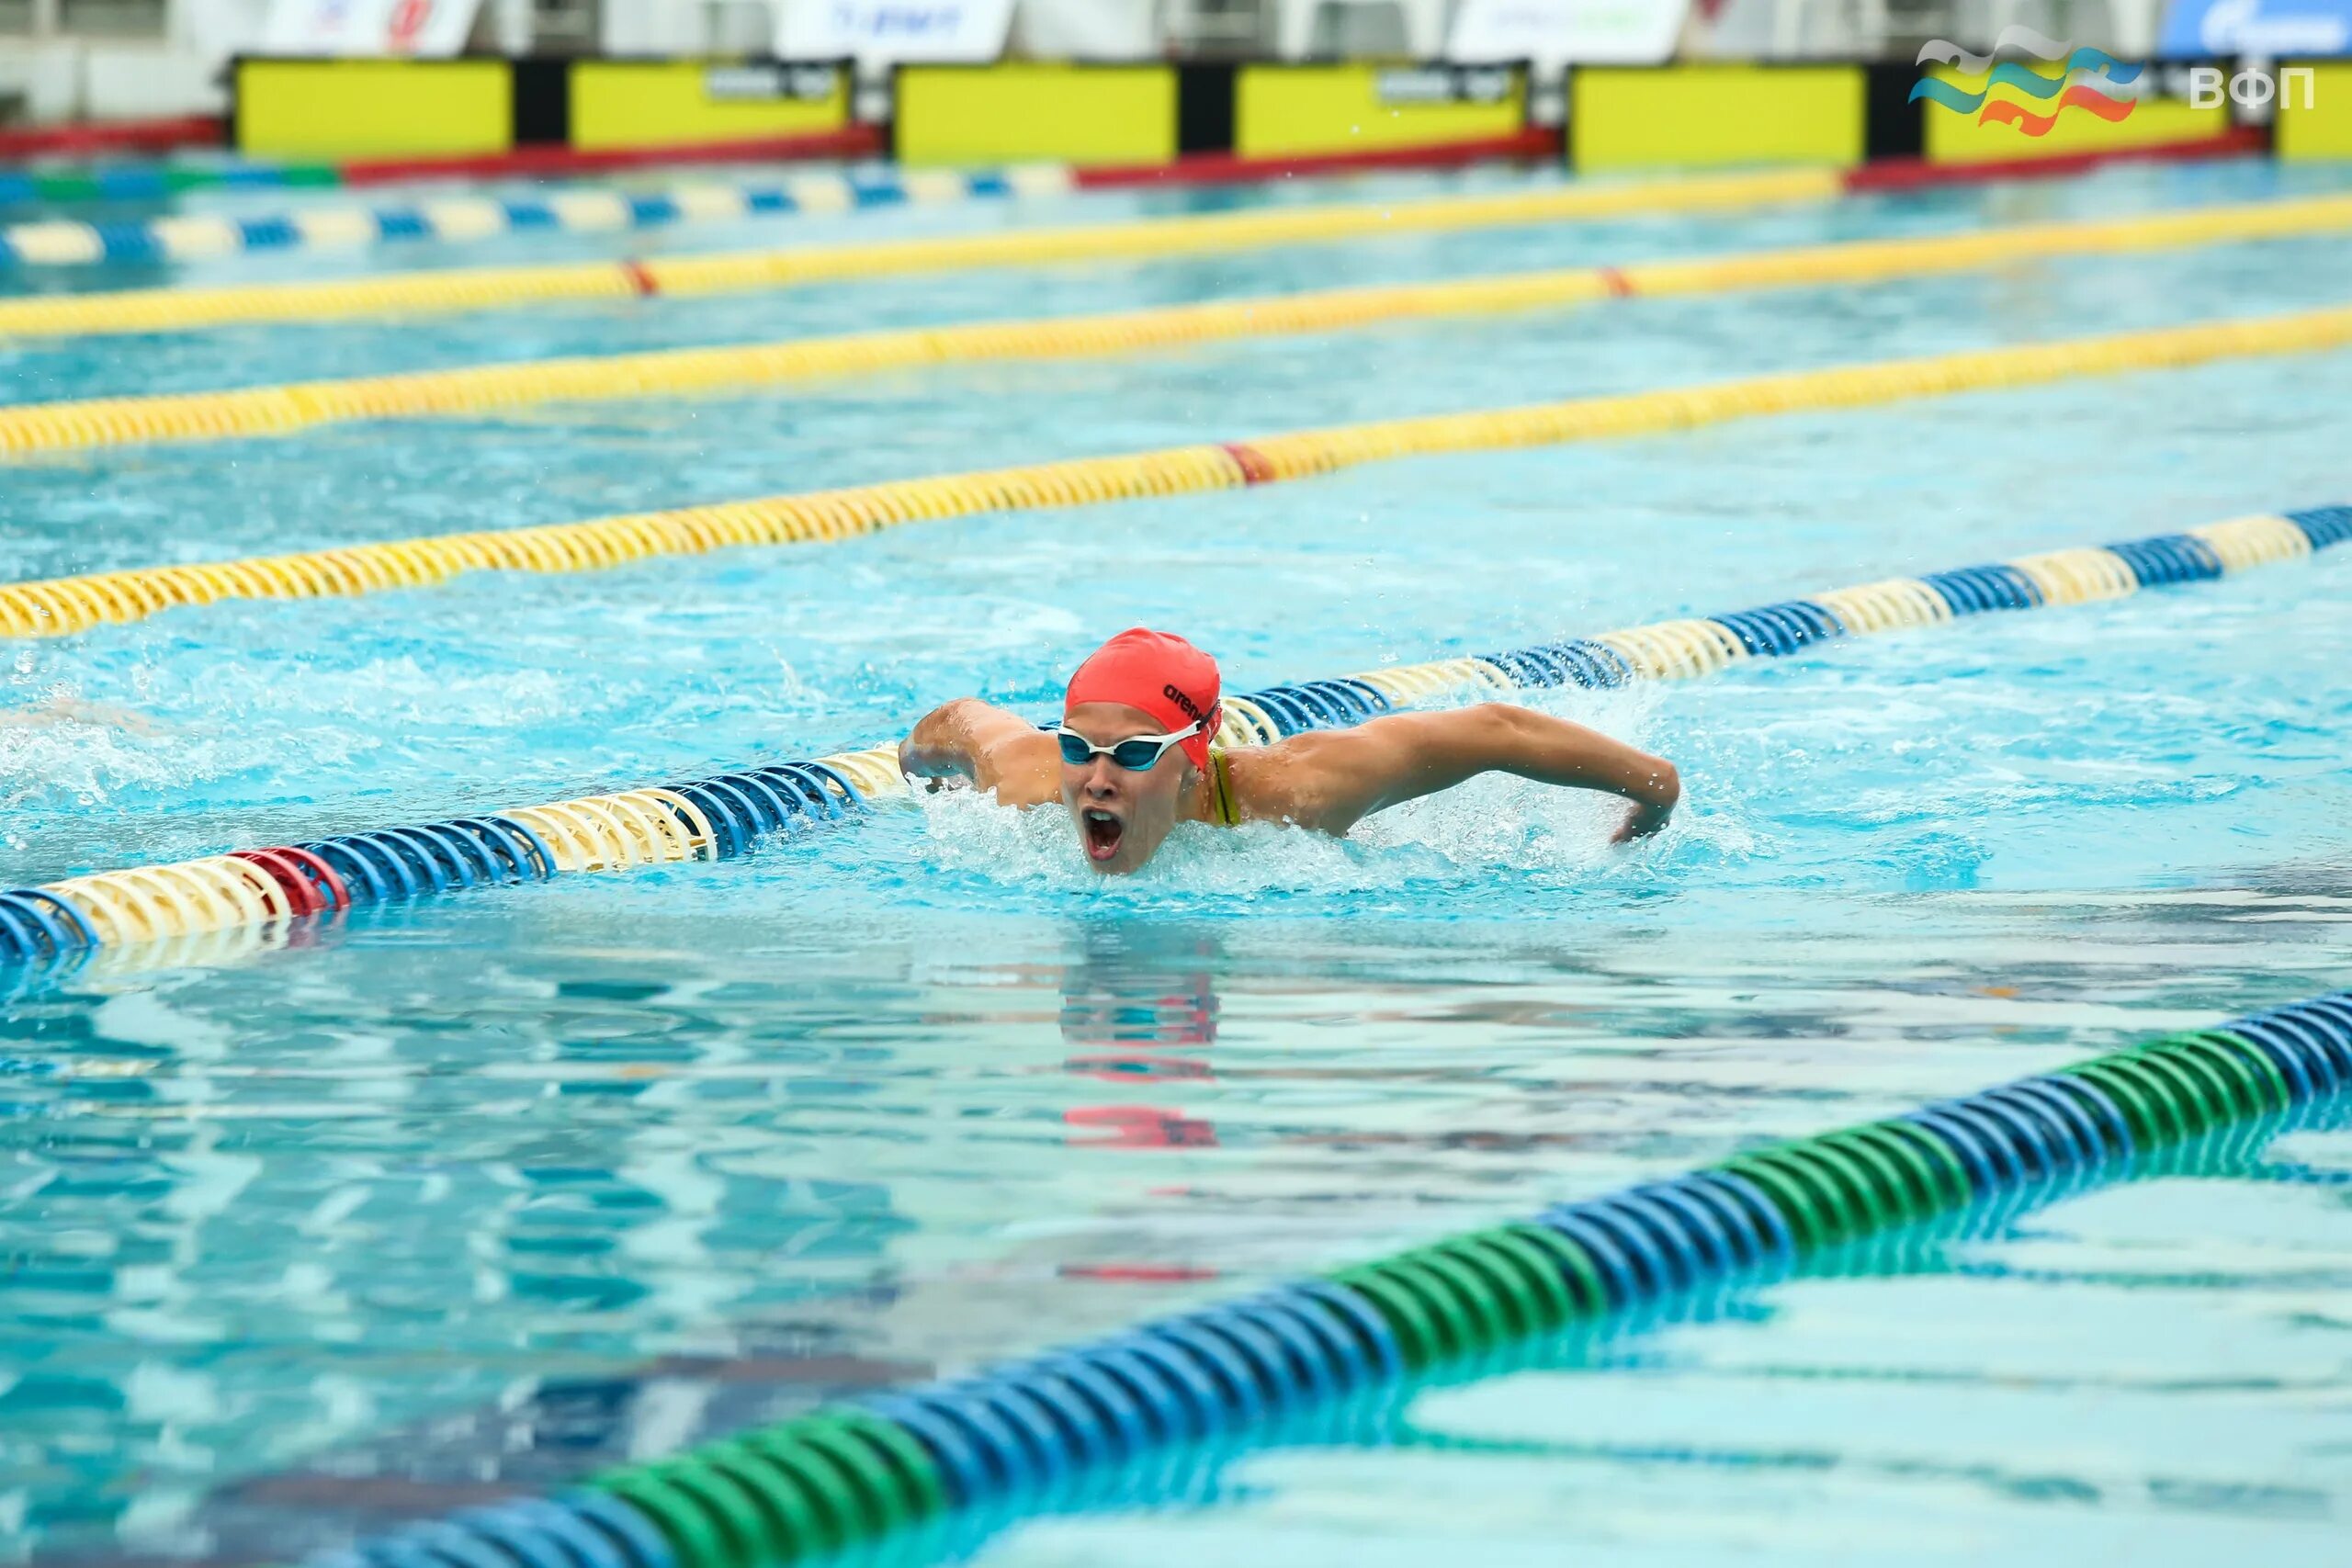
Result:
<point x="1228" y="809"/>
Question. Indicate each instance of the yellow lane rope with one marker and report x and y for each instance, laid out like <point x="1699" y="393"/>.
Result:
<point x="66" y="604"/>
<point x="272" y="411"/>
<point x="172" y="310"/>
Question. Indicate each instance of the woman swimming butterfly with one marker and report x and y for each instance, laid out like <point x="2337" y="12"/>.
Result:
<point x="1144" y="694"/>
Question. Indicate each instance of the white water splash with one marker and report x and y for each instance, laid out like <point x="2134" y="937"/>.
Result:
<point x="1486" y="834"/>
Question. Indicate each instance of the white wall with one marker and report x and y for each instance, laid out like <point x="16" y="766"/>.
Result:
<point x="175" y="73"/>
<point x="655" y="27"/>
<point x="1087" y="29"/>
<point x="1083" y="30"/>
<point x="688" y="27"/>
<point x="70" y="79"/>
<point x="182" y="69"/>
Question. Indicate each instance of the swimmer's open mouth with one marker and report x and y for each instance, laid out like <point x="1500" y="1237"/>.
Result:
<point x="1103" y="832"/>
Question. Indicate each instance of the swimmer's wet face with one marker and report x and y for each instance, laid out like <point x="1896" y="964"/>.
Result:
<point x="1141" y="683"/>
<point x="1122" y="814"/>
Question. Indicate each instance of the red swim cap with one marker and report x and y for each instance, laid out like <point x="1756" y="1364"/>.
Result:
<point x="1159" y="672"/>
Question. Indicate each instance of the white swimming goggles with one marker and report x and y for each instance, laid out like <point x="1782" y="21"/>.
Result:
<point x="1136" y="754"/>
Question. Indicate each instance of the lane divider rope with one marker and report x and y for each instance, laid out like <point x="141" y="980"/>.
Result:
<point x="1031" y="1436"/>
<point x="81" y="423"/>
<point x="153" y="181"/>
<point x="61" y="606"/>
<point x="396" y="294"/>
<point x="457" y="219"/>
<point x="724" y="816"/>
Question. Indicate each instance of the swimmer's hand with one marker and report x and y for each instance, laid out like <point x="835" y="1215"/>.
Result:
<point x="1654" y="787"/>
<point x="968" y="739"/>
<point x="1645" y="819"/>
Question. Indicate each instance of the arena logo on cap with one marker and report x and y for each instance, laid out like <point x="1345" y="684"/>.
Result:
<point x="2089" y="79"/>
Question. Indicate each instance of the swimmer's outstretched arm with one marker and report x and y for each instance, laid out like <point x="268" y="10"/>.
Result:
<point x="967" y="738"/>
<point x="1345" y="776"/>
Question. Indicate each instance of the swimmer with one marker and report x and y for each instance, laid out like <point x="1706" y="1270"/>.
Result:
<point x="1133" y="757"/>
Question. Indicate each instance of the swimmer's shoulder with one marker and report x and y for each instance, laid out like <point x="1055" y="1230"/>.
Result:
<point x="1024" y="770"/>
<point x="1289" y="780"/>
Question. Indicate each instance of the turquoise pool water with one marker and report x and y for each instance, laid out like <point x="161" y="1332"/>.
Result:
<point x="378" y="1219"/>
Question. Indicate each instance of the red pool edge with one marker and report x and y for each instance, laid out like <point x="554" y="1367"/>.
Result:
<point x="850" y="141"/>
<point x="1914" y="174"/>
<point x="1233" y="168"/>
<point x="1533" y="145"/>
<point x="163" y="134"/>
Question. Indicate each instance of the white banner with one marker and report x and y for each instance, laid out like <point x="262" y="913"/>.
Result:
<point x="1086" y="30"/>
<point x="1553" y="33"/>
<point x="430" y="28"/>
<point x="886" y="32"/>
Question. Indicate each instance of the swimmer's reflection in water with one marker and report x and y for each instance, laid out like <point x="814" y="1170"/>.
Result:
<point x="1135" y="757"/>
<point x="1139" y="1007"/>
<point x="1140" y="989"/>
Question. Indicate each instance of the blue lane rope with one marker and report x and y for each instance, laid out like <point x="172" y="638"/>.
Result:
<point x="743" y="807"/>
<point x="1107" y="1418"/>
<point x="188" y="236"/>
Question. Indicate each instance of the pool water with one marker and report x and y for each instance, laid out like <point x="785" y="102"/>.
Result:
<point x="371" y="1220"/>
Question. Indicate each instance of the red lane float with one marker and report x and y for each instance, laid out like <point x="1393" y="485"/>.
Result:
<point x="1232" y="168"/>
<point x="310" y="883"/>
<point x="163" y="134"/>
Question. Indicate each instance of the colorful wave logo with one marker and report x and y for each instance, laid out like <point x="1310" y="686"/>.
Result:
<point x="2088" y="79"/>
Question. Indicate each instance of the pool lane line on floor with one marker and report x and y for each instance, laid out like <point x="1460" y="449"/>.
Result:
<point x="1050" y="1432"/>
<point x="65" y="605"/>
<point x="35" y="429"/>
<point x="1187" y="234"/>
<point x="58" y="925"/>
